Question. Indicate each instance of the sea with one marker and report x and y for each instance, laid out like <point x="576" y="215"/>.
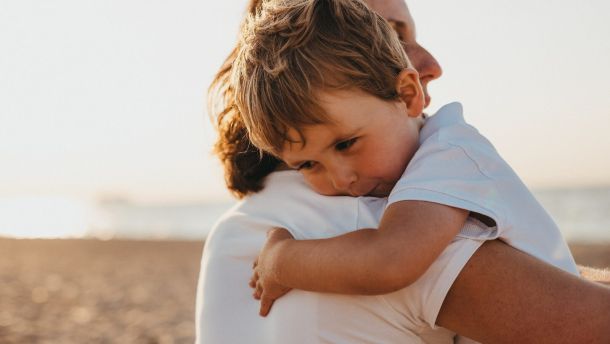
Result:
<point x="583" y="216"/>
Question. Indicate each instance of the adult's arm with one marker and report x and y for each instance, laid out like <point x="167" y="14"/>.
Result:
<point x="503" y="295"/>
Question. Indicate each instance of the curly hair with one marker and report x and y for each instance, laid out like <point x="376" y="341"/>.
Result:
<point x="245" y="166"/>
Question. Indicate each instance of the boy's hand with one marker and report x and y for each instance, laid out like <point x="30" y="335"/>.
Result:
<point x="266" y="288"/>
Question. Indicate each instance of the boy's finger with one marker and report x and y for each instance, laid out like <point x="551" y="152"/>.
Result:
<point x="266" y="304"/>
<point x="259" y="291"/>
<point x="253" y="280"/>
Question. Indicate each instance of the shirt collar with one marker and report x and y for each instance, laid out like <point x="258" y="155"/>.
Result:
<point x="448" y="114"/>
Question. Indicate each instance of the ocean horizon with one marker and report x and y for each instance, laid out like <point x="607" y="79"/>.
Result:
<point x="582" y="214"/>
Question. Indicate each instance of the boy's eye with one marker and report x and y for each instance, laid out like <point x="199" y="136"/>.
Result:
<point x="306" y="165"/>
<point x="343" y="145"/>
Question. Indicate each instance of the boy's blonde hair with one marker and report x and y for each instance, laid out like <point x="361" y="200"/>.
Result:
<point x="292" y="49"/>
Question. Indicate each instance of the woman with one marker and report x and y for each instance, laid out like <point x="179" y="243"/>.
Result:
<point x="483" y="291"/>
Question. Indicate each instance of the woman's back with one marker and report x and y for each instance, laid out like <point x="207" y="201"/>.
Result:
<point x="231" y="313"/>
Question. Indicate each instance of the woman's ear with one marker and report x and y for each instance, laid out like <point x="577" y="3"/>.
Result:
<point x="409" y="90"/>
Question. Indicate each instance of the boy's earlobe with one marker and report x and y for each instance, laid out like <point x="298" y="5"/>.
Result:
<point x="409" y="90"/>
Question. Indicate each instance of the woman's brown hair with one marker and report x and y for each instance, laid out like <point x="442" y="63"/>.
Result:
<point x="245" y="166"/>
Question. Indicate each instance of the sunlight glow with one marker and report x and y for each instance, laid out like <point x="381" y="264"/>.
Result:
<point x="44" y="217"/>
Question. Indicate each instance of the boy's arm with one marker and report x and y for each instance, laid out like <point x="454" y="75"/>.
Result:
<point x="411" y="235"/>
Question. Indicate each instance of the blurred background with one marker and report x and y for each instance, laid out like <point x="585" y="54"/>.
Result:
<point x="105" y="144"/>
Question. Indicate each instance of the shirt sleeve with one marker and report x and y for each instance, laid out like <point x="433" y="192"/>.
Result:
<point x="421" y="302"/>
<point x="450" y="174"/>
<point x="434" y="285"/>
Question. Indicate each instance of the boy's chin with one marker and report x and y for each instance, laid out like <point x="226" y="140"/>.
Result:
<point x="378" y="194"/>
<point x="380" y="190"/>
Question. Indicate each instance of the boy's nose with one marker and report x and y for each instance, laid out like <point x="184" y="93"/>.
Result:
<point x="342" y="178"/>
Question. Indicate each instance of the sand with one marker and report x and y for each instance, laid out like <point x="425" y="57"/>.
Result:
<point x="87" y="291"/>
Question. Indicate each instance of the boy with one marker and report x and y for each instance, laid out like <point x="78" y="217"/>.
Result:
<point x="326" y="87"/>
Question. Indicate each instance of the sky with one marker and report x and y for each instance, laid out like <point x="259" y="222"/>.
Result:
<point x="107" y="99"/>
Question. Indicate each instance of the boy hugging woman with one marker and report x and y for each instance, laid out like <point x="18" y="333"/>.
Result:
<point x="326" y="87"/>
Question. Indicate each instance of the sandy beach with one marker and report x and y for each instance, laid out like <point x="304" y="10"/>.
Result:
<point x="88" y="291"/>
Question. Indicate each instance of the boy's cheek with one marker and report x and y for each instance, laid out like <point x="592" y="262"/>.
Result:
<point x="321" y="185"/>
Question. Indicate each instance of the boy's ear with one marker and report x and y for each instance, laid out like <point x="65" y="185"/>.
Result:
<point x="409" y="90"/>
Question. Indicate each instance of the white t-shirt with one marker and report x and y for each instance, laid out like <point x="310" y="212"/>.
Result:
<point x="455" y="165"/>
<point x="227" y="313"/>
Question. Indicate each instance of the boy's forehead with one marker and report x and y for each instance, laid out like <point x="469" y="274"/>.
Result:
<point x="311" y="139"/>
<point x="334" y="105"/>
<point x="293" y="136"/>
<point x="298" y="138"/>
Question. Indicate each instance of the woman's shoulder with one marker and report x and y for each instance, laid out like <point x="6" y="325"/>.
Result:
<point x="286" y="201"/>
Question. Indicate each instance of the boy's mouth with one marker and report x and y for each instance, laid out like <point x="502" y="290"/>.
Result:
<point x="364" y="189"/>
